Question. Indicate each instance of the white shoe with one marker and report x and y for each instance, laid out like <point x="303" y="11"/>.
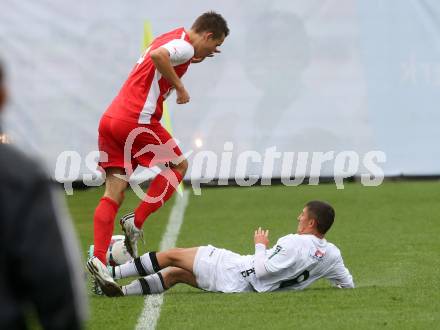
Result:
<point x="96" y="289"/>
<point x="95" y="286"/>
<point x="102" y="276"/>
<point x="132" y="234"/>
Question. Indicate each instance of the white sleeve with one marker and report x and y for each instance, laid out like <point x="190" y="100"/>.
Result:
<point x="281" y="256"/>
<point x="181" y="51"/>
<point x="260" y="258"/>
<point x="339" y="275"/>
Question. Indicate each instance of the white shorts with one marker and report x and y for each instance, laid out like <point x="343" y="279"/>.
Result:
<point x="218" y="270"/>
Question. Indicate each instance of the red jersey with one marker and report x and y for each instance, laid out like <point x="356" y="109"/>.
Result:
<point x="140" y="98"/>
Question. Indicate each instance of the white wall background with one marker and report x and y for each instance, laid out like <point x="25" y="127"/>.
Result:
<point x="310" y="75"/>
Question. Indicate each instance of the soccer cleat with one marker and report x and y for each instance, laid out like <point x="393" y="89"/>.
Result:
<point x="132" y="234"/>
<point x="103" y="278"/>
<point x="111" y="289"/>
<point x="95" y="286"/>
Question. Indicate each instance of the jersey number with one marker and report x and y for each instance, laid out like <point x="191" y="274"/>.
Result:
<point x="300" y="278"/>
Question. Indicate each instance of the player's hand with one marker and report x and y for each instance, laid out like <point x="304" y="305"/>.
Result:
<point x="262" y="237"/>
<point x="182" y="95"/>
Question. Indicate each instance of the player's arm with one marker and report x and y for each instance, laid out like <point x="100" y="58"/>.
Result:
<point x="162" y="61"/>
<point x="340" y="276"/>
<point x="261" y="239"/>
<point x="282" y="256"/>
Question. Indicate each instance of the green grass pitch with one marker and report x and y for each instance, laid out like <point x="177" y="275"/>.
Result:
<point x="389" y="237"/>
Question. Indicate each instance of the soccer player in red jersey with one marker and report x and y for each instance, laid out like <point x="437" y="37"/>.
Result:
<point x="133" y="120"/>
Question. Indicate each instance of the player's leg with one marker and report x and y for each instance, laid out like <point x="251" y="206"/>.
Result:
<point x="112" y="160"/>
<point x="103" y="225"/>
<point x="154" y="147"/>
<point x="161" y="271"/>
<point x="174" y="275"/>
<point x="105" y="213"/>
<point x="165" y="183"/>
<point x="177" y="257"/>
<point x="159" y="282"/>
<point x="160" y="191"/>
<point x="153" y="262"/>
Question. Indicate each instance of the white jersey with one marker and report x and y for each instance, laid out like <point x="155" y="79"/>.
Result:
<point x="295" y="262"/>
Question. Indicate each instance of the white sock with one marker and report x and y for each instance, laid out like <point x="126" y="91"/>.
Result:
<point x="147" y="264"/>
<point x="126" y="270"/>
<point x="147" y="285"/>
<point x="144" y="265"/>
<point x="132" y="289"/>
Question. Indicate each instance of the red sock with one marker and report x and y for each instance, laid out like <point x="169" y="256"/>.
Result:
<point x="160" y="190"/>
<point x="103" y="224"/>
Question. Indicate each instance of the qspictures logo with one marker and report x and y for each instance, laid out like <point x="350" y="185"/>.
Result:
<point x="292" y="168"/>
<point x="160" y="154"/>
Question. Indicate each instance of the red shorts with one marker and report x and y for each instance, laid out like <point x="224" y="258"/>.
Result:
<point x="127" y="145"/>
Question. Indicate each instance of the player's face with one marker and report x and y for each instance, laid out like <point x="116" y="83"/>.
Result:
<point x="304" y="222"/>
<point x="208" y="45"/>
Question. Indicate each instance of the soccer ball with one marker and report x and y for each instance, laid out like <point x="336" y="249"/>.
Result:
<point x="117" y="252"/>
<point x="116" y="255"/>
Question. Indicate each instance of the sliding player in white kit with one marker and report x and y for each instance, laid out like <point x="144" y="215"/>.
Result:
<point x="295" y="262"/>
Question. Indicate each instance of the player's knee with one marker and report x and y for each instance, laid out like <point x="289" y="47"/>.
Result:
<point x="114" y="188"/>
<point x="121" y="197"/>
<point x="172" y="276"/>
<point x="117" y="197"/>
<point x="116" y="193"/>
